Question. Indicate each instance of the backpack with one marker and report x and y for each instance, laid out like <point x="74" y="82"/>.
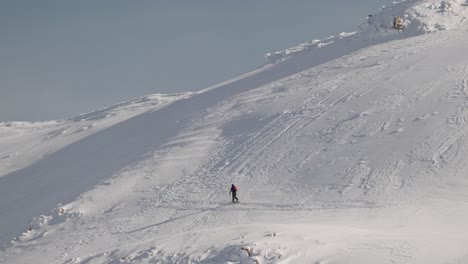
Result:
<point x="234" y="188"/>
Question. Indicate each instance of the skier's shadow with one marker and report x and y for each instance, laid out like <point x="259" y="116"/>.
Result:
<point x="177" y="218"/>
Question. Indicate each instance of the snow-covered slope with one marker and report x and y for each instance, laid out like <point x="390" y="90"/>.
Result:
<point x="420" y="17"/>
<point x="354" y="152"/>
<point x="24" y="143"/>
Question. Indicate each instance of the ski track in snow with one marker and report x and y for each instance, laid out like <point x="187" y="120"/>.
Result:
<point x="342" y="155"/>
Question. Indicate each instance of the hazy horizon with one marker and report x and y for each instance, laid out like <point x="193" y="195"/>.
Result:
<point x="60" y="59"/>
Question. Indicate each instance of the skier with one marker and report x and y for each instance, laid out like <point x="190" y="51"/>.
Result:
<point x="370" y="19"/>
<point x="234" y="193"/>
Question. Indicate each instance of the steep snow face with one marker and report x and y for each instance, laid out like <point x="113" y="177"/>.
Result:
<point x="24" y="143"/>
<point x="351" y="153"/>
<point x="419" y="17"/>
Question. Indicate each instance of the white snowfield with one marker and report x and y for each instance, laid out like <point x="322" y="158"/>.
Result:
<point x="350" y="152"/>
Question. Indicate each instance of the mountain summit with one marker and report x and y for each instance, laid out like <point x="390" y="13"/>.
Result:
<point x="347" y="150"/>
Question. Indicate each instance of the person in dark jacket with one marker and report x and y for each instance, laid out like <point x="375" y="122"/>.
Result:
<point x="234" y="193"/>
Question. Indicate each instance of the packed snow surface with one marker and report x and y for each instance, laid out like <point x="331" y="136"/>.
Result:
<point x="354" y="151"/>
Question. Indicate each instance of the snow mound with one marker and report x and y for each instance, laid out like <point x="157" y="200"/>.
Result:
<point x="419" y="17"/>
<point x="316" y="43"/>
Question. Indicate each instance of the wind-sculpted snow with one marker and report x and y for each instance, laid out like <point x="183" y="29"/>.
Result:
<point x="136" y="104"/>
<point x="23" y="143"/>
<point x="355" y="152"/>
<point x="420" y="17"/>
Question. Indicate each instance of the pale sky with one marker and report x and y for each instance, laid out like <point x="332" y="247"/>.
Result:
<point x="61" y="58"/>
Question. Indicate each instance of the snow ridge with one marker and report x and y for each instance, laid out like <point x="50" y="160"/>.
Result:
<point x="420" y="17"/>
